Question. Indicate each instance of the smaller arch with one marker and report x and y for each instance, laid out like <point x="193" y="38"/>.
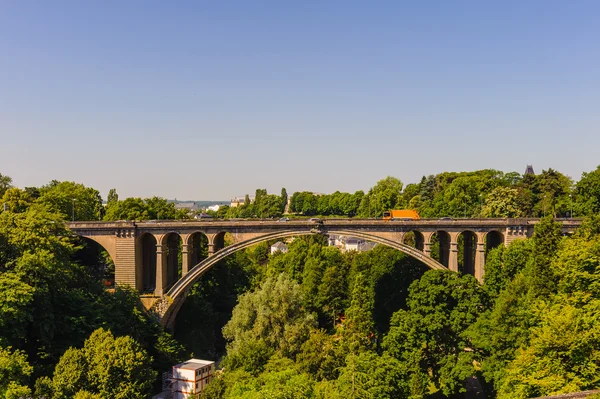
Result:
<point x="162" y="238"/>
<point x="197" y="246"/>
<point x="172" y="243"/>
<point x="467" y="249"/>
<point x="439" y="246"/>
<point x="147" y="280"/>
<point x="218" y="240"/>
<point x="414" y="239"/>
<point x="97" y="259"/>
<point x="493" y="239"/>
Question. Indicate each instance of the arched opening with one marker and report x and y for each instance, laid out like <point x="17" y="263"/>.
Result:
<point x="221" y="240"/>
<point x="414" y="239"/>
<point x="97" y="260"/>
<point x="172" y="242"/>
<point x="493" y="239"/>
<point x="148" y="263"/>
<point x="467" y="246"/>
<point x="170" y="304"/>
<point x="197" y="248"/>
<point x="440" y="247"/>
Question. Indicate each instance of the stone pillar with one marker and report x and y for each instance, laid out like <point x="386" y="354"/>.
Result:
<point x="186" y="258"/>
<point x="480" y="258"/>
<point x="211" y="249"/>
<point x="127" y="270"/>
<point x="427" y="248"/>
<point x="161" y="270"/>
<point x="453" y="255"/>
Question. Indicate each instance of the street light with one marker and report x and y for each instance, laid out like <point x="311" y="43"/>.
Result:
<point x="571" y="200"/>
<point x="73" y="210"/>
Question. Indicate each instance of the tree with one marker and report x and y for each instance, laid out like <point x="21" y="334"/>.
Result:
<point x="141" y="209"/>
<point x="70" y="374"/>
<point x="551" y="190"/>
<point x="15" y="313"/>
<point x="546" y="238"/>
<point x="5" y="184"/>
<point x="502" y="202"/>
<point x="385" y="195"/>
<point x="368" y="375"/>
<point x="429" y="336"/>
<point x="498" y="333"/>
<point x="358" y="328"/>
<point x="332" y="291"/>
<point x="72" y="200"/>
<point x="502" y="264"/>
<point x="587" y="193"/>
<point x="321" y="356"/>
<point x="107" y="366"/>
<point x="284" y="199"/>
<point x="16" y="200"/>
<point x="270" y="320"/>
<point x="14" y="368"/>
<point x="563" y="355"/>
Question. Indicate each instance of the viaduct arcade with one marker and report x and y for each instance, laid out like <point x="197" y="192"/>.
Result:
<point x="162" y="259"/>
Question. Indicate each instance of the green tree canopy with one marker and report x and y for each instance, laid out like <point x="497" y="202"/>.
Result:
<point x="106" y="366"/>
<point x="429" y="336"/>
<point x="270" y="320"/>
<point x="72" y="200"/>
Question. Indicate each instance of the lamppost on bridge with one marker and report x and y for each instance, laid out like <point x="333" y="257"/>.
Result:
<point x="73" y="209"/>
<point x="571" y="200"/>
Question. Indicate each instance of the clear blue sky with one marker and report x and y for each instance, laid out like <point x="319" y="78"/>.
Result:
<point x="209" y="100"/>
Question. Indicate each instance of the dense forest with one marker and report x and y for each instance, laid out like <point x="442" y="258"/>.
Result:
<point x="313" y="322"/>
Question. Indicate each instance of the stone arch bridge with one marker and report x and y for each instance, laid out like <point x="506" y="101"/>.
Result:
<point x="162" y="259"/>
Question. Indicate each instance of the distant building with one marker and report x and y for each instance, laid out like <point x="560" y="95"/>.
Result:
<point x="189" y="205"/>
<point x="279" y="246"/>
<point x="190" y="378"/>
<point x="348" y="243"/>
<point x="214" y="208"/>
<point x="529" y="170"/>
<point x="239" y="201"/>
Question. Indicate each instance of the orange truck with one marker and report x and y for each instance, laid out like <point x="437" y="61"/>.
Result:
<point x="401" y="214"/>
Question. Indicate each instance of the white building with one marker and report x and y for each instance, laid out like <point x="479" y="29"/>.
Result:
<point x="190" y="378"/>
<point x="348" y="243"/>
<point x="278" y="246"/>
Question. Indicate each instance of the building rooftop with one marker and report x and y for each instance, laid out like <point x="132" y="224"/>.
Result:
<point x="193" y="364"/>
<point x="529" y="170"/>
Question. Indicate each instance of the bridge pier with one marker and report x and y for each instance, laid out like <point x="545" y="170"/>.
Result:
<point x="211" y="249"/>
<point x="427" y="248"/>
<point x="453" y="255"/>
<point x="161" y="270"/>
<point x="185" y="259"/>
<point x="480" y="260"/>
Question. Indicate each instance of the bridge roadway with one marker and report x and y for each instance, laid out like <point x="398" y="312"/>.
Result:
<point x="146" y="254"/>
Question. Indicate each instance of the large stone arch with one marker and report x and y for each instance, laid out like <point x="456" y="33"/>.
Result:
<point x="107" y="242"/>
<point x="168" y="306"/>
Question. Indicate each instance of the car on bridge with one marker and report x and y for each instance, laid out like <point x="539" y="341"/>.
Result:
<point x="284" y="219"/>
